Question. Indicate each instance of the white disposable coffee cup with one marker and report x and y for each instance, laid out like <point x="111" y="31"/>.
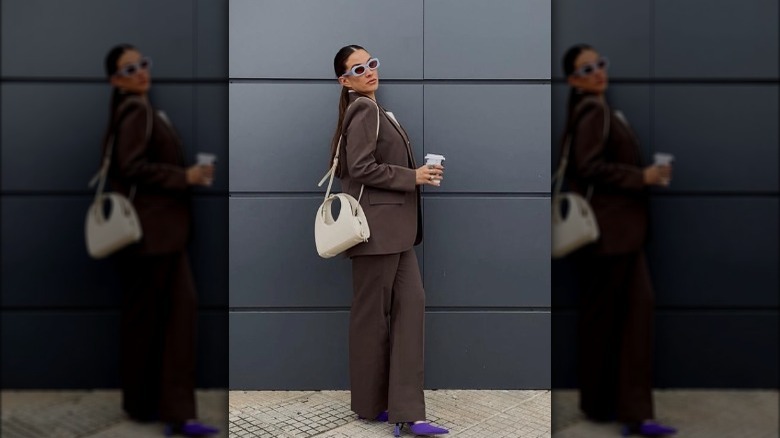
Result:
<point x="206" y="159"/>
<point x="662" y="159"/>
<point x="432" y="159"/>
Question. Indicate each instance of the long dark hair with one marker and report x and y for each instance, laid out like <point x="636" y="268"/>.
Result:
<point x="340" y="67"/>
<point x="117" y="96"/>
<point x="111" y="66"/>
<point x="568" y="68"/>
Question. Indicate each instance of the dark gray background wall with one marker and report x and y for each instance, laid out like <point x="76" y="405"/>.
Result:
<point x="469" y="80"/>
<point x="698" y="79"/>
<point x="60" y="309"/>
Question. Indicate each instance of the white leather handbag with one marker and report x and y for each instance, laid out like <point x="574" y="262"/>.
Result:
<point x="574" y="230"/>
<point x="336" y="235"/>
<point x="108" y="233"/>
<point x="577" y="227"/>
<point x="112" y="223"/>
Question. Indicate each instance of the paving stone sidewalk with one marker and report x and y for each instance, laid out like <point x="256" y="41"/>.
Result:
<point x="326" y="414"/>
<point x="695" y="413"/>
<point x="93" y="414"/>
<point x="278" y="414"/>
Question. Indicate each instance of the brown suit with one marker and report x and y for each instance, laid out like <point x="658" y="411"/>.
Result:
<point x="616" y="294"/>
<point x="387" y="317"/>
<point x="385" y="165"/>
<point x="612" y="168"/>
<point x="162" y="198"/>
<point x="159" y="301"/>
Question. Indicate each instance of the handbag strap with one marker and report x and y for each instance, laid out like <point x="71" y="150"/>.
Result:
<point x="561" y="171"/>
<point x="102" y="174"/>
<point x="332" y="172"/>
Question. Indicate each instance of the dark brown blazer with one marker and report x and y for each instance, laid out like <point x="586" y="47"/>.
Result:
<point x="385" y="164"/>
<point x="613" y="167"/>
<point x="156" y="168"/>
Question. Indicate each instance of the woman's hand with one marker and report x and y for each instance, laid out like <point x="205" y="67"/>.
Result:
<point x="656" y="175"/>
<point x="200" y="175"/>
<point x="430" y="174"/>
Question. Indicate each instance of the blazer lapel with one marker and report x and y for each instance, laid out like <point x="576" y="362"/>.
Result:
<point x="403" y="133"/>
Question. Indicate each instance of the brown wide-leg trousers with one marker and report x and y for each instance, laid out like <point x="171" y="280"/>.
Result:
<point x="386" y="337"/>
<point x="616" y="322"/>
<point x="157" y="363"/>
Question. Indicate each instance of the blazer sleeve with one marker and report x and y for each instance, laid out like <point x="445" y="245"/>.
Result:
<point x="131" y="153"/>
<point x="588" y="145"/>
<point x="360" y="127"/>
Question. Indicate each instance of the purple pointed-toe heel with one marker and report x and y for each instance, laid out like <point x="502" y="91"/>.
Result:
<point x="421" y="429"/>
<point x="381" y="418"/>
<point x="191" y="428"/>
<point x="648" y="428"/>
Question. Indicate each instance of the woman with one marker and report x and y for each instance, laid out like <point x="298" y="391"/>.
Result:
<point x="159" y="303"/>
<point x="617" y="296"/>
<point x="388" y="302"/>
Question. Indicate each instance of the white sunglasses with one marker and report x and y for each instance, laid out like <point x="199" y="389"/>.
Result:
<point x="128" y="70"/>
<point x="590" y="68"/>
<point x="361" y="69"/>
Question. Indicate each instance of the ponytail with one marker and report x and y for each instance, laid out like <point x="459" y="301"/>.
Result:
<point x="575" y="96"/>
<point x="339" y="68"/>
<point x="343" y="103"/>
<point x="110" y="63"/>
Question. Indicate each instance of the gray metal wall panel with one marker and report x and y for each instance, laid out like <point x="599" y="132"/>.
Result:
<point x="487" y="252"/>
<point x="280" y="133"/>
<point x="724" y="138"/>
<point x="85" y="347"/>
<point x="299" y="38"/>
<point x="62" y="274"/>
<point x="211" y="37"/>
<point x="500" y="39"/>
<point x="208" y="250"/>
<point x="65" y="276"/>
<point x="505" y="350"/>
<point x="717" y="349"/>
<point x="695" y="38"/>
<point x="491" y="143"/>
<point x="715" y="252"/>
<point x="618" y="29"/>
<point x="289" y="351"/>
<point x="301" y="115"/>
<point x="273" y="260"/>
<point x="32" y="158"/>
<point x="54" y="53"/>
<point x="75" y="118"/>
<point x="42" y="38"/>
<point x="487" y="350"/>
